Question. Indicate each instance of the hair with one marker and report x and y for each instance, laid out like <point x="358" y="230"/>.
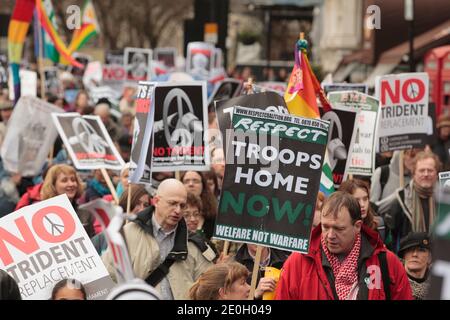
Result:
<point x="211" y="175"/>
<point x="218" y="276"/>
<point x="209" y="202"/>
<point x="73" y="283"/>
<point x="422" y="155"/>
<point x="320" y="200"/>
<point x="9" y="290"/>
<point x="350" y="187"/>
<point x="48" y="187"/>
<point x="137" y="191"/>
<point x="341" y="199"/>
<point x="195" y="201"/>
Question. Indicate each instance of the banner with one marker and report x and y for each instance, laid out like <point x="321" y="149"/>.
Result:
<point x="333" y="87"/>
<point x="167" y="56"/>
<point x="96" y="93"/>
<point x="52" y="83"/>
<point x="93" y="74"/>
<point x="44" y="243"/>
<point x="341" y="140"/>
<point x="180" y="127"/>
<point x="279" y="158"/>
<point x="268" y="101"/>
<point x="403" y="110"/>
<point x="225" y="89"/>
<point x="29" y="137"/>
<point x="276" y="86"/>
<point x="142" y="146"/>
<point x="114" y="76"/>
<point x="137" y="63"/>
<point x="114" y="57"/>
<point x="200" y="59"/>
<point x="362" y="155"/>
<point x="87" y="141"/>
<point x="28" y="84"/>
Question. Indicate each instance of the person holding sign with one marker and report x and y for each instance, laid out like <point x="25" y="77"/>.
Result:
<point x="346" y="260"/>
<point x="158" y="246"/>
<point x="413" y="208"/>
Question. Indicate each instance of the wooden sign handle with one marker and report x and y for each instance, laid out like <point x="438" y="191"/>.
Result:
<point x="255" y="272"/>
<point x="110" y="185"/>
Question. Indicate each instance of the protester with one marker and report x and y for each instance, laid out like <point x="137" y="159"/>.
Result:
<point x="126" y="123"/>
<point x="415" y="249"/>
<point x="96" y="187"/>
<point x="81" y="102"/>
<point x="218" y="164"/>
<point x="159" y="236"/>
<point x="68" y="289"/>
<point x="140" y="199"/>
<point x="385" y="179"/>
<point x="123" y="182"/>
<point x="196" y="183"/>
<point x="223" y="281"/>
<point x="212" y="183"/>
<point x="103" y="110"/>
<point x="342" y="252"/>
<point x="413" y="208"/>
<point x="270" y="257"/>
<point x="9" y="290"/>
<point x="318" y="208"/>
<point x="61" y="179"/>
<point x="359" y="189"/>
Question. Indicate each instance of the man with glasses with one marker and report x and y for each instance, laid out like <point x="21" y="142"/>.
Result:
<point x="158" y="246"/>
<point x="413" y="208"/>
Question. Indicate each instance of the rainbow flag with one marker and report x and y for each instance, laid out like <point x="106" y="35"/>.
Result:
<point x="17" y="32"/>
<point x="301" y="99"/>
<point x="49" y="50"/>
<point x="58" y="43"/>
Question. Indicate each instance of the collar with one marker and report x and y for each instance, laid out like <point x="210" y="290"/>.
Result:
<point x="157" y="227"/>
<point x="179" y="250"/>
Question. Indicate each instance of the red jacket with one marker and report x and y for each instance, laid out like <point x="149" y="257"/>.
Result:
<point x="32" y="195"/>
<point x="304" y="278"/>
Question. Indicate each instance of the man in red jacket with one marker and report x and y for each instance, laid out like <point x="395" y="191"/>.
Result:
<point x="346" y="261"/>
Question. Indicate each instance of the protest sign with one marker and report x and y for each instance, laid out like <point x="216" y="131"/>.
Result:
<point x="403" y="110"/>
<point x="362" y="155"/>
<point x="28" y="84"/>
<point x="52" y="83"/>
<point x="114" y="76"/>
<point x="180" y="127"/>
<point x="114" y="57"/>
<point x="29" y="137"/>
<point x="96" y="93"/>
<point x="93" y="74"/>
<point x="200" y="59"/>
<point x="3" y="71"/>
<point x="225" y="89"/>
<point x="142" y="146"/>
<point x="218" y="58"/>
<point x="268" y="101"/>
<point x="341" y="139"/>
<point x="333" y="87"/>
<point x="82" y="58"/>
<point x="87" y="141"/>
<point x="44" y="243"/>
<point x="278" y="156"/>
<point x="276" y="86"/>
<point x="137" y="63"/>
<point x="167" y="56"/>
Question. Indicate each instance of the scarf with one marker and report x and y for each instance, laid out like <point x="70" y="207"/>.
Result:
<point x="418" y="216"/>
<point x="98" y="187"/>
<point x="345" y="272"/>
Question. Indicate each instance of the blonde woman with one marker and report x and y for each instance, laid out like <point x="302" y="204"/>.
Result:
<point x="60" y="179"/>
<point x="223" y="281"/>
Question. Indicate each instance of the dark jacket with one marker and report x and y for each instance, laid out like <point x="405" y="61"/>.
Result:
<point x="310" y="277"/>
<point x="277" y="259"/>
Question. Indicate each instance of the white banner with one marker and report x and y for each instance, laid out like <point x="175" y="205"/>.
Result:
<point x="44" y="243"/>
<point x="29" y="136"/>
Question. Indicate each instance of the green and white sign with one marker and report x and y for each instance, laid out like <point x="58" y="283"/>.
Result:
<point x="362" y="155"/>
<point x="272" y="178"/>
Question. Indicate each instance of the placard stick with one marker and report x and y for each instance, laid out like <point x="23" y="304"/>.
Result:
<point x="350" y="176"/>
<point x="50" y="154"/>
<point x="255" y="272"/>
<point x="401" y="169"/>
<point x="177" y="175"/>
<point x="129" y="199"/>
<point x="110" y="185"/>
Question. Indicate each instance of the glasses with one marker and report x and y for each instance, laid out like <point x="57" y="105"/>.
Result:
<point x="193" y="181"/>
<point x="192" y="215"/>
<point x="174" y="204"/>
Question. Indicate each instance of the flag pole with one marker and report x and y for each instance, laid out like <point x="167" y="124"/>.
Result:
<point x="40" y="57"/>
